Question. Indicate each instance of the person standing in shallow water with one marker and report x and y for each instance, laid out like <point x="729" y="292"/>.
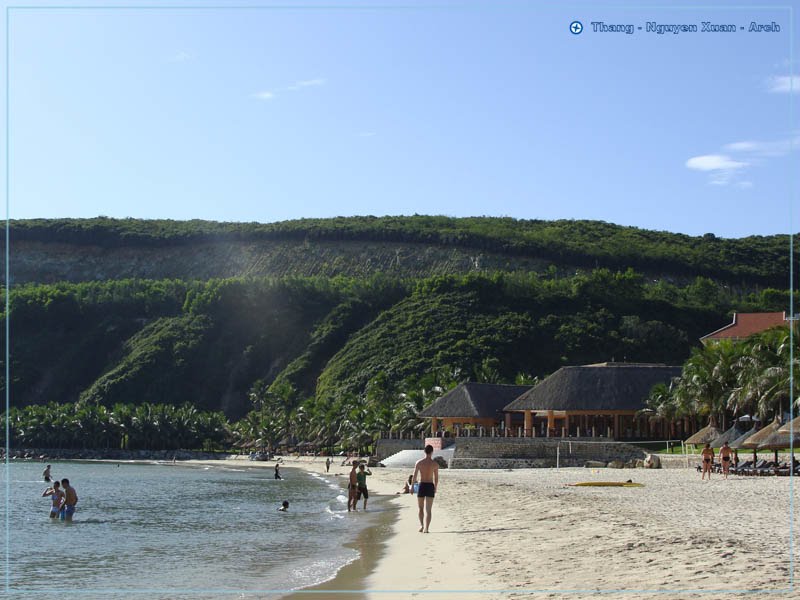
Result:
<point x="70" y="499"/>
<point x="427" y="472"/>
<point x="361" y="479"/>
<point x="57" y="497"/>
<point x="352" y="488"/>
<point x="277" y="471"/>
<point x="46" y="474"/>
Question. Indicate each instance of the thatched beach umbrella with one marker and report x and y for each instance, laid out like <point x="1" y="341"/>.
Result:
<point x="731" y="434"/>
<point x="779" y="441"/>
<point x="707" y="434"/>
<point x="737" y="443"/>
<point x="755" y="440"/>
<point x="792" y="426"/>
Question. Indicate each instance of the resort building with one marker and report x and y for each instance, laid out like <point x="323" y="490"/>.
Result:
<point x="746" y="324"/>
<point x="471" y="405"/>
<point x="600" y="400"/>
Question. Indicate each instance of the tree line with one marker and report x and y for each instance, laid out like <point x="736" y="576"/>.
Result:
<point x="586" y="244"/>
<point x="727" y="379"/>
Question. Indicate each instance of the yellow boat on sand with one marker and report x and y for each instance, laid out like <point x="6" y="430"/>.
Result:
<point x="605" y="484"/>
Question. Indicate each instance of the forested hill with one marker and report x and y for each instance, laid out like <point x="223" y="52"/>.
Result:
<point x="332" y="322"/>
<point x="50" y="250"/>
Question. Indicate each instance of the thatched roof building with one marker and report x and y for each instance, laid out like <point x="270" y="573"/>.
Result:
<point x="604" y="397"/>
<point x="598" y="387"/>
<point x="479" y="404"/>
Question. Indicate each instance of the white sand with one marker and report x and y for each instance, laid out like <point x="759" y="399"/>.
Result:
<point x="523" y="530"/>
<point x="500" y="534"/>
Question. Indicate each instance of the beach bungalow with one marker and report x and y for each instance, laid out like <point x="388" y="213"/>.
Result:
<point x="744" y="325"/>
<point x="599" y="400"/>
<point x="471" y="405"/>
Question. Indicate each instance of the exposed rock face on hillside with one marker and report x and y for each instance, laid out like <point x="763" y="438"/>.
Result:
<point x="50" y="262"/>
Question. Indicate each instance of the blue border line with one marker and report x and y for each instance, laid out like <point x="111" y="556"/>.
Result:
<point x="792" y="322"/>
<point x="792" y="188"/>
<point x="7" y="305"/>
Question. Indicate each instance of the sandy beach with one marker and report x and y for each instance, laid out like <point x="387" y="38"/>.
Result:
<point x="525" y="533"/>
<point x="503" y="534"/>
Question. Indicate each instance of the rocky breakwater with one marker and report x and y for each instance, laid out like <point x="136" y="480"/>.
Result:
<point x="73" y="454"/>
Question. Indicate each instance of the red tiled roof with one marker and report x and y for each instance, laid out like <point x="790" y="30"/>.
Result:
<point x="747" y="324"/>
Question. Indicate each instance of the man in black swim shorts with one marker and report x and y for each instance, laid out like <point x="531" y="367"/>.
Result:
<point x="725" y="455"/>
<point x="428" y="471"/>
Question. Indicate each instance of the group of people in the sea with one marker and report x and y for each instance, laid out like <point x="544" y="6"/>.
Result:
<point x="63" y="497"/>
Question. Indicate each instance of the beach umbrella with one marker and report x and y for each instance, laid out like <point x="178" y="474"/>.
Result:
<point x="779" y="441"/>
<point x="791" y="426"/>
<point x="705" y="435"/>
<point x="754" y="441"/>
<point x="737" y="443"/>
<point x="731" y="434"/>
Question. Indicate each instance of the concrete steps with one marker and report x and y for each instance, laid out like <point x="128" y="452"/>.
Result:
<point x="408" y="458"/>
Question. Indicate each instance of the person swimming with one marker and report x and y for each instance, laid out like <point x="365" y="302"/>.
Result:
<point x="284" y="506"/>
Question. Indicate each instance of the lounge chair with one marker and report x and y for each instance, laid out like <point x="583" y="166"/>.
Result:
<point x="742" y="468"/>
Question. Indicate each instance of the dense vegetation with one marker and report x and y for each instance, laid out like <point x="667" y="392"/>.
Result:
<point x="127" y="362"/>
<point x="122" y="426"/>
<point x="586" y="244"/>
<point x="727" y="379"/>
<point x="333" y="360"/>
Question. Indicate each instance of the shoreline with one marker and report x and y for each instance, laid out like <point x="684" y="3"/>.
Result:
<point x="370" y="542"/>
<point x="503" y="534"/>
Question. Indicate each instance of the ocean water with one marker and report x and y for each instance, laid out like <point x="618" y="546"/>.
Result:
<point x="176" y="531"/>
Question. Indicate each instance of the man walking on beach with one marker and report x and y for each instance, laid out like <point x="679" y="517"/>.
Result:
<point x="428" y="471"/>
<point x="327" y="465"/>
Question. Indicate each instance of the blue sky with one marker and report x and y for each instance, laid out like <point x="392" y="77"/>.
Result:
<point x="471" y="109"/>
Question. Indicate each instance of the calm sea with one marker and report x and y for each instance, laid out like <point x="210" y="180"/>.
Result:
<point x="164" y="531"/>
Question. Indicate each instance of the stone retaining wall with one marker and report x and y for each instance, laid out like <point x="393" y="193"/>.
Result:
<point x="499" y="453"/>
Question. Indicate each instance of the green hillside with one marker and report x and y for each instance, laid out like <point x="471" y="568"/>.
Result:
<point x="419" y="246"/>
<point x="338" y="356"/>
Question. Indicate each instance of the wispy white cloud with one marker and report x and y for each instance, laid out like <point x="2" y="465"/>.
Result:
<point x="299" y="85"/>
<point x="296" y="86"/>
<point x="784" y="84"/>
<point x="721" y="168"/>
<point x="714" y="162"/>
<point x="763" y="149"/>
<point x="729" y="166"/>
<point x="180" y="57"/>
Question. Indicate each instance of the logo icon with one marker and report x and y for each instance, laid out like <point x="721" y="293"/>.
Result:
<point x="576" y="27"/>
